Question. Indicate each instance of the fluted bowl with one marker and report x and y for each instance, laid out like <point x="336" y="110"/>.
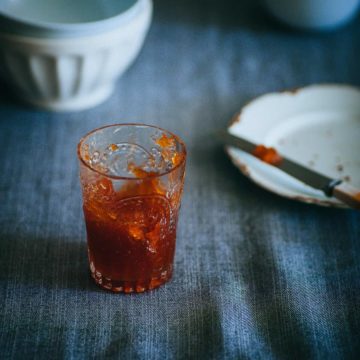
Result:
<point x="65" y="63"/>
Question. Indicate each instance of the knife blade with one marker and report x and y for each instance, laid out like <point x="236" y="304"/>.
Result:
<point x="330" y="186"/>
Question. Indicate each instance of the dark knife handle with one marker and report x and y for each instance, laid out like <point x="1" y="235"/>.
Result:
<point x="347" y="194"/>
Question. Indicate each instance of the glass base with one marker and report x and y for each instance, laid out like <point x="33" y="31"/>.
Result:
<point x="127" y="287"/>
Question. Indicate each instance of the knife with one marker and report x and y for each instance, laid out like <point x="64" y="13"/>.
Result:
<point x="330" y="186"/>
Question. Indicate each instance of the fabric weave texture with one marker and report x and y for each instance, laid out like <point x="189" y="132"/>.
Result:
<point x="256" y="276"/>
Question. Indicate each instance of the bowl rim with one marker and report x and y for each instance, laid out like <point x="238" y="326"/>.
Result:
<point x="13" y="25"/>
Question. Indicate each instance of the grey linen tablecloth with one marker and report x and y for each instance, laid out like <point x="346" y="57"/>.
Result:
<point x="256" y="276"/>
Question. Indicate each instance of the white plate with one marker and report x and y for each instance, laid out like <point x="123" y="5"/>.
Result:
<point x="317" y="126"/>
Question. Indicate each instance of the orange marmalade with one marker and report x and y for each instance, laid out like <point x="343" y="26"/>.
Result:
<point x="268" y="155"/>
<point x="131" y="227"/>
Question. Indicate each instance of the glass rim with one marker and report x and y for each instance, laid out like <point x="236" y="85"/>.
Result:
<point x="116" y="177"/>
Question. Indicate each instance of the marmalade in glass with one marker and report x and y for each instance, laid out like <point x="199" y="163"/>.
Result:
<point x="132" y="179"/>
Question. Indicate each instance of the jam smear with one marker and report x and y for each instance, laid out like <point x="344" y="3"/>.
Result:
<point x="268" y="155"/>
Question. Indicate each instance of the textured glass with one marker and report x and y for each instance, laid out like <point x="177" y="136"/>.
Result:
<point x="132" y="179"/>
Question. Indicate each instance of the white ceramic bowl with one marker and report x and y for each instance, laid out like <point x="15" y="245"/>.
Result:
<point x="313" y="14"/>
<point x="70" y="66"/>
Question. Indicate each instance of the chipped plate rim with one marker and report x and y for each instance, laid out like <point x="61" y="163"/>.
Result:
<point x="249" y="165"/>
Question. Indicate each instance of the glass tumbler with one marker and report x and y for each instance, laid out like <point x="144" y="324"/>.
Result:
<point x="132" y="179"/>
